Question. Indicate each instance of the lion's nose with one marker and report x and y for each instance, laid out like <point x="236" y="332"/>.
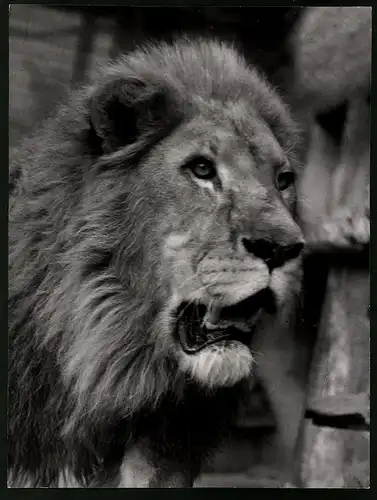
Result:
<point x="274" y="254"/>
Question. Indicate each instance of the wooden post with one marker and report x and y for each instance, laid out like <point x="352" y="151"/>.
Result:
<point x="330" y="457"/>
<point x="340" y="368"/>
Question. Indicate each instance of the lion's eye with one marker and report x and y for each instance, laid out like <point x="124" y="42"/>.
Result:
<point x="284" y="180"/>
<point x="202" y="168"/>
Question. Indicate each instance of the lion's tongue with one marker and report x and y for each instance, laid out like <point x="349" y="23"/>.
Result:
<point x="239" y="315"/>
<point x="213" y="321"/>
<point x="199" y="326"/>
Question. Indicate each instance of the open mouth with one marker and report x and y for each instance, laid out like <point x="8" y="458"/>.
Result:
<point x="233" y="323"/>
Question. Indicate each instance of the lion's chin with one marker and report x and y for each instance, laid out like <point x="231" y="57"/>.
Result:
<point x="218" y="365"/>
<point x="218" y="354"/>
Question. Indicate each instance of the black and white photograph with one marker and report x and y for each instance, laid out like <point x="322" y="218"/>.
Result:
<point x="188" y="247"/>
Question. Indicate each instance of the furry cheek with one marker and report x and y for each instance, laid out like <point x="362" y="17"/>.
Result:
<point x="177" y="264"/>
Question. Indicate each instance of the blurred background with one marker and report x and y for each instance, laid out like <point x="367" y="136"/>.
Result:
<point x="54" y="49"/>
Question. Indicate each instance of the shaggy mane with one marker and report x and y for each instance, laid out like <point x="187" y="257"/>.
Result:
<point x="82" y="355"/>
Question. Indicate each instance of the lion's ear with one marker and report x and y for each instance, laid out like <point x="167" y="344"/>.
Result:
<point x="124" y="110"/>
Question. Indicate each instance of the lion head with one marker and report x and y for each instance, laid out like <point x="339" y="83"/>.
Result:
<point x="165" y="194"/>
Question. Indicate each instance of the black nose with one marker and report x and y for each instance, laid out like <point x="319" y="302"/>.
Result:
<point x="274" y="254"/>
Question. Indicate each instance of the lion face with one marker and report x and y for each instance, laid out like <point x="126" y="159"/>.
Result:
<point x="204" y="161"/>
<point x="229" y="245"/>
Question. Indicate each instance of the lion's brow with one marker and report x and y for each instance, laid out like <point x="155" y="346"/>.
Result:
<point x="252" y="148"/>
<point x="214" y="146"/>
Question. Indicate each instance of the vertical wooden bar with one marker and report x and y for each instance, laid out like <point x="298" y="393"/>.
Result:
<point x="330" y="457"/>
<point x="84" y="48"/>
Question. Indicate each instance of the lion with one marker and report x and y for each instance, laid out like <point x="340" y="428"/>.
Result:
<point x="152" y="241"/>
